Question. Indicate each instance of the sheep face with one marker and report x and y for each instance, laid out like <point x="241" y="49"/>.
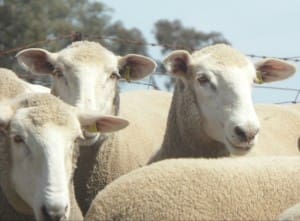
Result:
<point x="43" y="150"/>
<point x="85" y="74"/>
<point x="41" y="160"/>
<point x="220" y="81"/>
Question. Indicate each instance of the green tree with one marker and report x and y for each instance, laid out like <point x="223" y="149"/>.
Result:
<point x="173" y="35"/>
<point x="27" y="21"/>
<point x="126" y="40"/>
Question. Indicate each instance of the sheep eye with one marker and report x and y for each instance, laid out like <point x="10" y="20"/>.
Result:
<point x="115" y="75"/>
<point x="18" y="139"/>
<point x="58" y="73"/>
<point x="203" y="80"/>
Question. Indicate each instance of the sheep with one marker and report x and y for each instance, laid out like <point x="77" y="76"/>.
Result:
<point x="212" y="112"/>
<point x="241" y="188"/>
<point x="11" y="85"/>
<point x="39" y="149"/>
<point x="279" y="134"/>
<point x="291" y="214"/>
<point x="85" y="75"/>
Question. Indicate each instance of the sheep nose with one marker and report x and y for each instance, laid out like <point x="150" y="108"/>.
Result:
<point x="54" y="213"/>
<point x="246" y="135"/>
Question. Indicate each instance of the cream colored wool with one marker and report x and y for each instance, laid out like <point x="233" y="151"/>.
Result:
<point x="279" y="132"/>
<point x="202" y="189"/>
<point x="10" y="84"/>
<point x="125" y="150"/>
<point x="291" y="214"/>
<point x="51" y="109"/>
<point x="48" y="108"/>
<point x="226" y="56"/>
<point x="86" y="52"/>
<point x="184" y="137"/>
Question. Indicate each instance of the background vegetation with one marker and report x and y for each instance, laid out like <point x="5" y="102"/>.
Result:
<point x="26" y="21"/>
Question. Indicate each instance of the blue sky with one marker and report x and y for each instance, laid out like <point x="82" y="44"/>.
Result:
<point x="269" y="27"/>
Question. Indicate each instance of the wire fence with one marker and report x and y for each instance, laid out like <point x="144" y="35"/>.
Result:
<point x="75" y="36"/>
<point x="150" y="85"/>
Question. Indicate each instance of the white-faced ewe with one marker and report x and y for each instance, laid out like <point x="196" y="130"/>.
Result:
<point x="212" y="112"/>
<point x="290" y="214"/>
<point x="244" y="188"/>
<point x="85" y="75"/>
<point x="38" y="134"/>
<point x="11" y="85"/>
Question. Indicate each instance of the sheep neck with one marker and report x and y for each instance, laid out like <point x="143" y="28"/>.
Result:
<point x="86" y="177"/>
<point x="185" y="136"/>
<point x="88" y="181"/>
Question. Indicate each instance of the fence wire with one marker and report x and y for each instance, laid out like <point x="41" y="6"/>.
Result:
<point x="76" y="36"/>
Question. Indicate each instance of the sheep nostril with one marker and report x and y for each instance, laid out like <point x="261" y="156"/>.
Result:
<point x="54" y="215"/>
<point x="45" y="213"/>
<point x="246" y="135"/>
<point x="240" y="133"/>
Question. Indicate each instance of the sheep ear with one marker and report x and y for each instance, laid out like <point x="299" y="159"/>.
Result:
<point x="94" y="122"/>
<point x="177" y="63"/>
<point x="271" y="69"/>
<point x="37" y="61"/>
<point x="135" y="67"/>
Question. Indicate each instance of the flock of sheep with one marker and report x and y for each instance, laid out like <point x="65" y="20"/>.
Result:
<point x="82" y="150"/>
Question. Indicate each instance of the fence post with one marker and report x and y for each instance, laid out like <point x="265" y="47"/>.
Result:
<point x="296" y="98"/>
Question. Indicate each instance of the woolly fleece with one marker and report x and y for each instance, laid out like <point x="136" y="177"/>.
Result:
<point x="10" y="84"/>
<point x="224" y="54"/>
<point x="125" y="150"/>
<point x="86" y="52"/>
<point x="202" y="189"/>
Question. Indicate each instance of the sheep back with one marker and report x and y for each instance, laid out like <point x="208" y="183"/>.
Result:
<point x="202" y="189"/>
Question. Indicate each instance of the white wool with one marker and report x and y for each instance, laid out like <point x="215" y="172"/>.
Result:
<point x="202" y="189"/>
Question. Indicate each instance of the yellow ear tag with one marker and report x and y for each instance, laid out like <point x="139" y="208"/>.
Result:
<point x="92" y="128"/>
<point x="127" y="73"/>
<point x="259" y="79"/>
